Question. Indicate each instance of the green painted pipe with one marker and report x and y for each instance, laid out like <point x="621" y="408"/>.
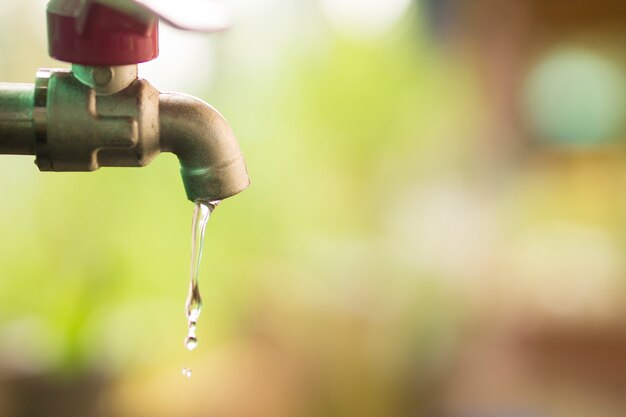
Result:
<point x="17" y="132"/>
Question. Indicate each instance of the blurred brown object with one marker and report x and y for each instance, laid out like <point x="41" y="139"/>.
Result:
<point x="547" y="367"/>
<point x="503" y="40"/>
<point x="574" y="15"/>
<point x="51" y="395"/>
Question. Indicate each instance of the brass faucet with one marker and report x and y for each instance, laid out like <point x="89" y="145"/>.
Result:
<point x="100" y="114"/>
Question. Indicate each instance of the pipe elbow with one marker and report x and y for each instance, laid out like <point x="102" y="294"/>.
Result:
<point x="212" y="166"/>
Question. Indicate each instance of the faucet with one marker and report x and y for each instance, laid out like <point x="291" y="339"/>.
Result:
<point x="100" y="113"/>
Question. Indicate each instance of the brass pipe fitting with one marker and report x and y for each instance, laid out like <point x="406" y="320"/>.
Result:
<point x="210" y="159"/>
<point x="94" y="117"/>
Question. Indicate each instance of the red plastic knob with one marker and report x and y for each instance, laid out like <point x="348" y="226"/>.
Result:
<point x="102" y="36"/>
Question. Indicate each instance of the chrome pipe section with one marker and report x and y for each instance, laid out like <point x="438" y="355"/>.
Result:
<point x="17" y="130"/>
<point x="212" y="166"/>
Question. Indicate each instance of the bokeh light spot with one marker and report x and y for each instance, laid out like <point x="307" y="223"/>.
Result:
<point x="575" y="98"/>
<point x="364" y="19"/>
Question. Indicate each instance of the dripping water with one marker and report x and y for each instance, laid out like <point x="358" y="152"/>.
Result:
<point x="193" y="305"/>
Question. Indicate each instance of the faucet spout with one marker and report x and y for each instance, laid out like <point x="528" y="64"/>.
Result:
<point x="212" y="166"/>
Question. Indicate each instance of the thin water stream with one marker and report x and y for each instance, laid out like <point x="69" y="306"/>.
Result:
<point x="193" y="305"/>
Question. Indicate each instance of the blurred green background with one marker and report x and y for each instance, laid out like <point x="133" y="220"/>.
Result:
<point x="435" y="225"/>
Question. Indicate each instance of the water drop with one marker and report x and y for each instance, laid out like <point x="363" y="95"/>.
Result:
<point x="191" y="342"/>
<point x="191" y="326"/>
<point x="193" y="304"/>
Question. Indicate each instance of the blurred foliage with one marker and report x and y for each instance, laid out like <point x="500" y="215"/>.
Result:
<point x="95" y="264"/>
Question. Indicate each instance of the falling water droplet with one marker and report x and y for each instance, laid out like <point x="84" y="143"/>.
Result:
<point x="193" y="305"/>
<point x="191" y="342"/>
<point x="191" y="327"/>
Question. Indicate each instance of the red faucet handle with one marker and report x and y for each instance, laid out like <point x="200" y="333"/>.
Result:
<point x="101" y="36"/>
<point x="122" y="32"/>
